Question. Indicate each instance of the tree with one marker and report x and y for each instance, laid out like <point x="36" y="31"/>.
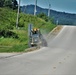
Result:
<point x="14" y="4"/>
<point x="11" y="3"/>
<point x="8" y="3"/>
<point x="1" y="3"/>
<point x="43" y="16"/>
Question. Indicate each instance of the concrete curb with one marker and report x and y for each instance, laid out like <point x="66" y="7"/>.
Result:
<point x="32" y="49"/>
<point x="55" y="31"/>
<point x="8" y="55"/>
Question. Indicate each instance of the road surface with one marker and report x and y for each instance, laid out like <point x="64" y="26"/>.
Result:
<point x="57" y="59"/>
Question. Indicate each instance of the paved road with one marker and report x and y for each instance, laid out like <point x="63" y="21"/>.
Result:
<point x="57" y="59"/>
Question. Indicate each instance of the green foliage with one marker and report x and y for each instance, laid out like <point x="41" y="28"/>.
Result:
<point x="8" y="31"/>
<point x="7" y="18"/>
<point x="14" y="45"/>
<point x="21" y="22"/>
<point x="9" y="3"/>
<point x="1" y="3"/>
<point x="14" y="4"/>
<point x="43" y="16"/>
<point x="15" y="48"/>
<point x="7" y="21"/>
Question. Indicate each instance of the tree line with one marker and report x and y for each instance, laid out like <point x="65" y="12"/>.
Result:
<point x="9" y="3"/>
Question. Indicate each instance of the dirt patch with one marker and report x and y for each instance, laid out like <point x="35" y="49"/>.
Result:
<point x="55" y="31"/>
<point x="32" y="49"/>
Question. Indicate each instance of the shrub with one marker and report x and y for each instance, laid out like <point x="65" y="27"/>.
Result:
<point x="7" y="34"/>
<point x="43" y="16"/>
<point x="21" y="23"/>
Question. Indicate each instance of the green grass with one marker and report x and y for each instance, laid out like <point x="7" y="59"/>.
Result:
<point x="14" y="45"/>
<point x="15" y="48"/>
<point x="8" y="19"/>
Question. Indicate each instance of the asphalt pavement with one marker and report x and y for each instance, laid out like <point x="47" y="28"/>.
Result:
<point x="59" y="58"/>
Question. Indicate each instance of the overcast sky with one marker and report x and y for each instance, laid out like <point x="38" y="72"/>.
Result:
<point x="59" y="5"/>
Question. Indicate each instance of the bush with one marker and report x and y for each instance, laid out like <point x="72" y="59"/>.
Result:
<point x="21" y="23"/>
<point x="43" y="16"/>
<point x="7" y="34"/>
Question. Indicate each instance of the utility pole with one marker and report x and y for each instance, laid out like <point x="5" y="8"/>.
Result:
<point x="12" y="4"/>
<point x="35" y="10"/>
<point x="18" y="14"/>
<point x="49" y="10"/>
<point x="24" y="9"/>
<point x="57" y="22"/>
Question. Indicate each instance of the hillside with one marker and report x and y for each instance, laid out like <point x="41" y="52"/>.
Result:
<point x="16" y="40"/>
<point x="62" y="17"/>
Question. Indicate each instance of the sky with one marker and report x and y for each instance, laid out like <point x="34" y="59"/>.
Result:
<point x="68" y="6"/>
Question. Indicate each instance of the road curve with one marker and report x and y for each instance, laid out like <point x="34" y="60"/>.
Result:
<point x="57" y="59"/>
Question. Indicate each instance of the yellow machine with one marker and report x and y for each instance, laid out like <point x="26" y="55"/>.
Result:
<point x="36" y="38"/>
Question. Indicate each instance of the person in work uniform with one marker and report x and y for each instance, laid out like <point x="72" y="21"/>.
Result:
<point x="34" y="31"/>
